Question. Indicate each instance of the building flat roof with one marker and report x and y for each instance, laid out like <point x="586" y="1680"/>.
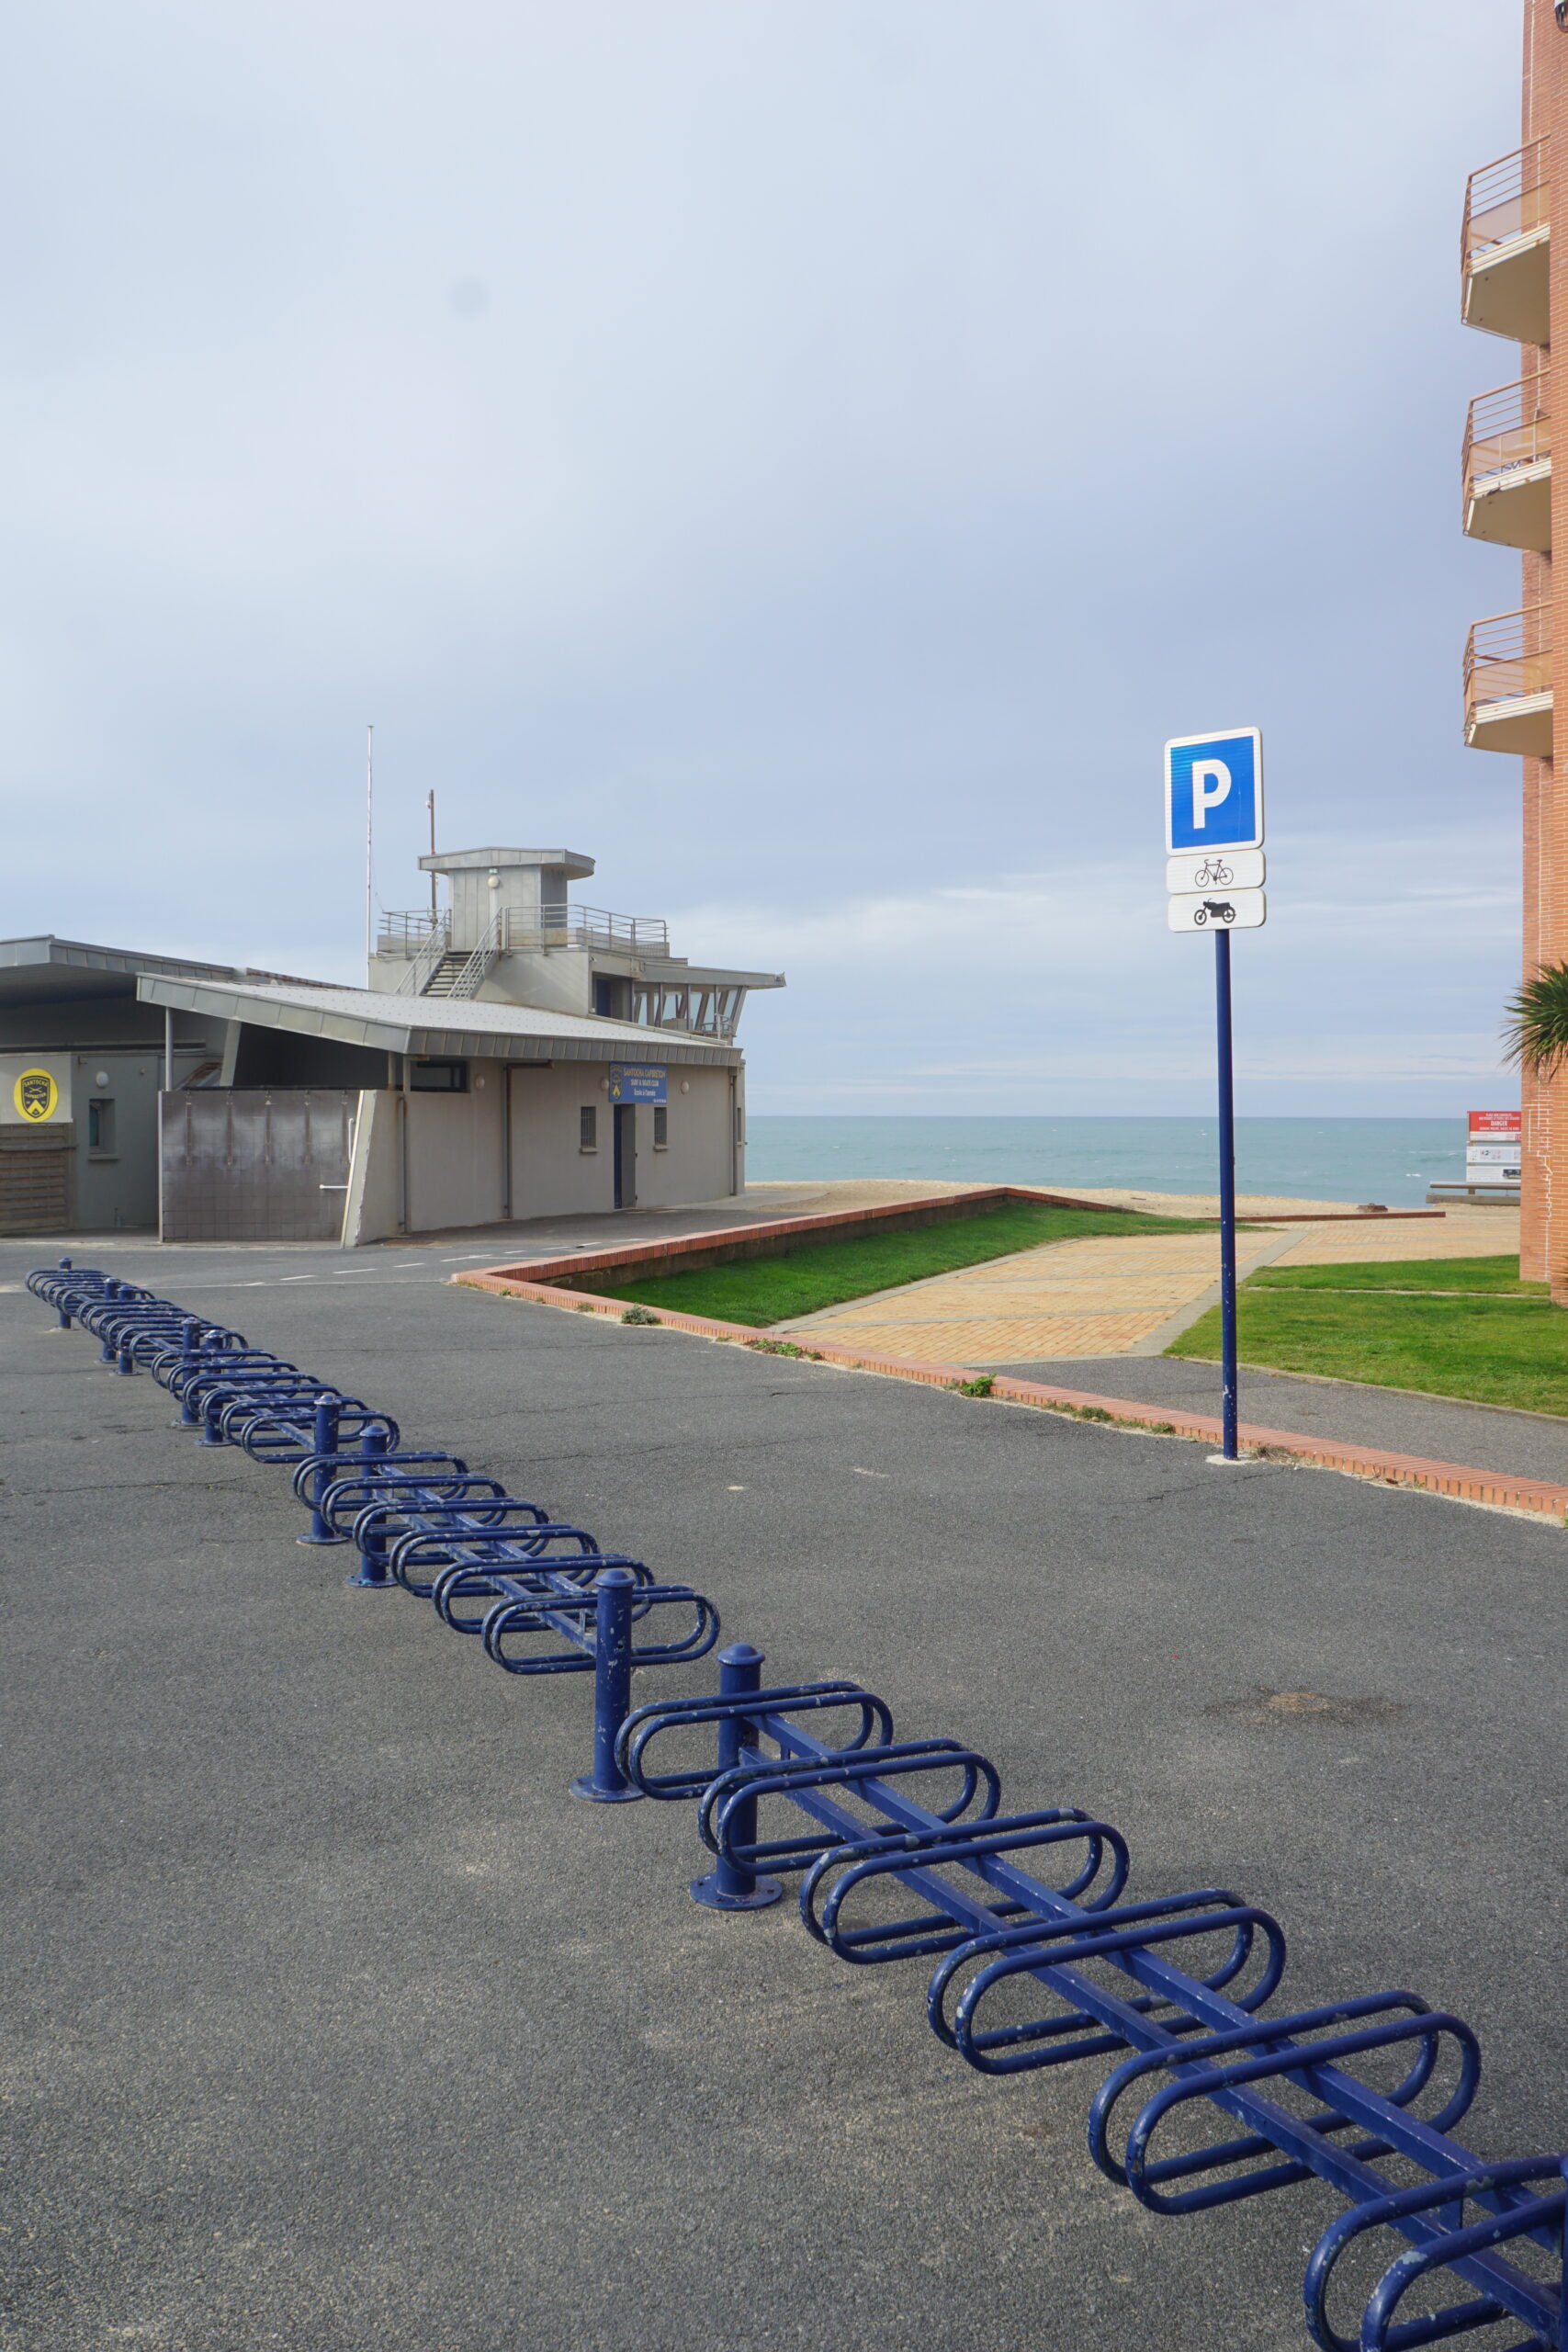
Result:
<point x="44" y="968"/>
<point x="426" y="1025"/>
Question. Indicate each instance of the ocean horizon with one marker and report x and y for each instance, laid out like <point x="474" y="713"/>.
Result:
<point x="1388" y="1160"/>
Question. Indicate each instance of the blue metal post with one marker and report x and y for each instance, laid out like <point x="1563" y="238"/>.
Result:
<point x="190" y="1346"/>
<point x="108" y="1352"/>
<point x="64" y="1268"/>
<point x="607" y="1784"/>
<point x="726" y="1888"/>
<point x="210" y="1433"/>
<point x="1228" y="1188"/>
<point x="373" y="1572"/>
<point x="324" y="1442"/>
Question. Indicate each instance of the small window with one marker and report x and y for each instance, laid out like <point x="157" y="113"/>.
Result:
<point x="588" y="1127"/>
<point x="100" y="1125"/>
<point x="661" y="1126"/>
<point x="439" y="1077"/>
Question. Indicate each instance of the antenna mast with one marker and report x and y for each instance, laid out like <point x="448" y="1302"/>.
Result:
<point x="369" y="842"/>
<point x="430" y="804"/>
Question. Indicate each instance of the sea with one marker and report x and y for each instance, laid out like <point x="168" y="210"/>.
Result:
<point x="1390" y="1160"/>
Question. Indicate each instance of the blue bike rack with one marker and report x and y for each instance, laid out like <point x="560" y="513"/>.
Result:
<point x="999" y="1895"/>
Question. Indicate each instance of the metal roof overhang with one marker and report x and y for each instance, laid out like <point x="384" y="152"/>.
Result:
<point x="46" y="970"/>
<point x="392" y="1032"/>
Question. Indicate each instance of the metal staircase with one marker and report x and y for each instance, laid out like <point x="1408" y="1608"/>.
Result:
<point x="437" y="969"/>
<point x="449" y="975"/>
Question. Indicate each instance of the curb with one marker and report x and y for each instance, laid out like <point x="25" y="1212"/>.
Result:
<point x="1539" y="1498"/>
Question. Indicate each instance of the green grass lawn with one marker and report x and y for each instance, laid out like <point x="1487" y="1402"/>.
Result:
<point x="1459" y="1326"/>
<point x="760" y="1291"/>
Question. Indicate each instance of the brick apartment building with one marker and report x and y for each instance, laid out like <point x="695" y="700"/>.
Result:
<point x="1515" y="283"/>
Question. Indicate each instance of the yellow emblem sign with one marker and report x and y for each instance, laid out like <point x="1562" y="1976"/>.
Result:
<point x="36" y="1095"/>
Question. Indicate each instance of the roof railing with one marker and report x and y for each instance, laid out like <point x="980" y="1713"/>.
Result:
<point x="411" y="930"/>
<point x="594" y="927"/>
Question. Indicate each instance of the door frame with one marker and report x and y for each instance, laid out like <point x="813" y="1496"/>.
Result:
<point x="625" y="1117"/>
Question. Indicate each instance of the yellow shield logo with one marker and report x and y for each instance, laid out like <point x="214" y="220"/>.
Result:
<point x="36" y="1095"/>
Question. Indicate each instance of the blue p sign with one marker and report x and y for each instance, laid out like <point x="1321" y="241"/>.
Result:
<point x="1213" y="791"/>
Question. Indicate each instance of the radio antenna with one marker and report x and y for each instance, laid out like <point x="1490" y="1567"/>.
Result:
<point x="369" y="844"/>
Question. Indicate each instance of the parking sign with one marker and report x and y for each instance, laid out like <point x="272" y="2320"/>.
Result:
<point x="1213" y="791"/>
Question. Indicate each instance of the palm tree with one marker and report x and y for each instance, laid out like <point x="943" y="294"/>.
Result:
<point x="1536" y="1035"/>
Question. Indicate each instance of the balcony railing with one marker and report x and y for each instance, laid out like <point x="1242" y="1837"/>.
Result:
<point x="1507" y="682"/>
<point x="416" y="931"/>
<point x="594" y="927"/>
<point x="1508" y="654"/>
<point x="1504" y="198"/>
<point x="1506" y="430"/>
<point x="413" y="931"/>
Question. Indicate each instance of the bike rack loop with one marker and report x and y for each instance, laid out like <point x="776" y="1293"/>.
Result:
<point x="423" y="1520"/>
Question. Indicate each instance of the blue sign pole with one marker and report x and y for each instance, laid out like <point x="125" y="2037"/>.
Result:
<point x="1213" y="839"/>
<point x="1227" y="1187"/>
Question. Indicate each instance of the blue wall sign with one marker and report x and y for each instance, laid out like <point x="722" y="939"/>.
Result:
<point x="637" y="1082"/>
<point x="1213" y="791"/>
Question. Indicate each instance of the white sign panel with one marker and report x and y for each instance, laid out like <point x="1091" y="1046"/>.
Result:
<point x="1213" y="791"/>
<point x="1216" y="911"/>
<point x="1216" y="869"/>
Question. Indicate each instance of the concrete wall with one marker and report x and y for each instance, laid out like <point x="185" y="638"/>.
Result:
<point x="456" y="1144"/>
<point x="696" y="1164"/>
<point x="551" y="1175"/>
<point x="456" y="1150"/>
<point x="371" y="1205"/>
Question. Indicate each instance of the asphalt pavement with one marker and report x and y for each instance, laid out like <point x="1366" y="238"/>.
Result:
<point x="1440" y="1429"/>
<point x="334" y="2021"/>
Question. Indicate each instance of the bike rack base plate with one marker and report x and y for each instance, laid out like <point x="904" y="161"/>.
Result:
<point x="705" y="1892"/>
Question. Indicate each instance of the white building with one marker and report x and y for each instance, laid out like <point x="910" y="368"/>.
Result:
<point x="513" y="1055"/>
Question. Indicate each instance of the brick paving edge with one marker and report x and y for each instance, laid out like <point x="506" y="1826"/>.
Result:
<point x="1458" y="1482"/>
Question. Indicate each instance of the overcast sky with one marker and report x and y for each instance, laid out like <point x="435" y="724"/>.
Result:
<point x="809" y="457"/>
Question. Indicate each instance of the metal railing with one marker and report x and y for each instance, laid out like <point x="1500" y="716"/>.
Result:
<point x="467" y="978"/>
<point x="413" y="931"/>
<point x="1506" y="199"/>
<point x="1505" y="430"/>
<point x="1506" y="656"/>
<point x="410" y="932"/>
<point x="594" y="927"/>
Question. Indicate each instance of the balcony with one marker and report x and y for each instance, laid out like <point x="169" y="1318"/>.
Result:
<point x="1508" y="465"/>
<point x="1505" y="246"/>
<point x="1508" y="684"/>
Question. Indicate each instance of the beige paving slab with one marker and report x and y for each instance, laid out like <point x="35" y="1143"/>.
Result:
<point x="1463" y="1233"/>
<point x="1103" y="1296"/>
<point x="981" y="1340"/>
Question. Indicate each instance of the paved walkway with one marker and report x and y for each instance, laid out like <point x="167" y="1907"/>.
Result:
<point x="1111" y="1297"/>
